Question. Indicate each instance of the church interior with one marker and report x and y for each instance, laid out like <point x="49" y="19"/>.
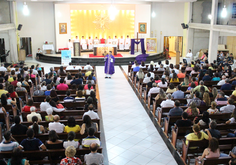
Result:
<point x="118" y="82"/>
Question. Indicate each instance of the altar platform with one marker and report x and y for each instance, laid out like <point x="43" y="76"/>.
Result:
<point x="126" y="58"/>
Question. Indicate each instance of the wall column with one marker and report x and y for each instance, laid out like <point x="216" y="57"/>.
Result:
<point x="213" y="45"/>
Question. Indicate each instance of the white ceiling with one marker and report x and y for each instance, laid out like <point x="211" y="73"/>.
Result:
<point x="105" y="1"/>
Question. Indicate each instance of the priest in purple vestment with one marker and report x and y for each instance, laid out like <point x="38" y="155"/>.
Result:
<point x="109" y="65"/>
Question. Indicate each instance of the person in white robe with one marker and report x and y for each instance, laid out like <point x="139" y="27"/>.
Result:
<point x="109" y="40"/>
<point x="76" y="39"/>
<point x="188" y="57"/>
<point x="127" y="43"/>
<point x="115" y="41"/>
<point x="121" y="43"/>
<point x="83" y="43"/>
<point x="96" y="41"/>
<point x="70" y="46"/>
<point x="90" y="43"/>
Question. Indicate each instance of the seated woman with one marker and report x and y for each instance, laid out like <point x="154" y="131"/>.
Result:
<point x="54" y="96"/>
<point x="206" y="101"/>
<point x="61" y="71"/>
<point x="72" y="126"/>
<point x="28" y="106"/>
<point x="93" y="96"/>
<point x="31" y="75"/>
<point x="87" y="123"/>
<point x="17" y="158"/>
<point x="232" y="119"/>
<point x="204" y="121"/>
<point x="90" y="78"/>
<point x="43" y="86"/>
<point x="79" y="96"/>
<point x="7" y="100"/>
<point x="193" y="110"/>
<point x="161" y="68"/>
<point x="161" y="95"/>
<point x="12" y="92"/>
<point x="213" y="109"/>
<point x="216" y="77"/>
<point x="38" y="129"/>
<point x="212" y="151"/>
<point x="71" y="141"/>
<point x="68" y="78"/>
<point x="171" y="88"/>
<point x="157" y="79"/>
<point x="174" y="78"/>
<point x="197" y="134"/>
<point x="70" y="157"/>
<point x="88" y="91"/>
<point x="163" y="83"/>
<point x="191" y="87"/>
<point x="49" y="116"/>
<point x="56" y="106"/>
<point x="26" y="81"/>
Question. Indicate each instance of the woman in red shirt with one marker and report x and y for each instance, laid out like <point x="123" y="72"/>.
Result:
<point x="28" y="106"/>
<point x="11" y="91"/>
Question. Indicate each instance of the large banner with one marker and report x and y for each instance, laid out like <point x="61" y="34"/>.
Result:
<point x="151" y="45"/>
<point x="65" y="57"/>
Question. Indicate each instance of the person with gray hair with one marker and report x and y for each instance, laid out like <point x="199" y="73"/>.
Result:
<point x="2" y="68"/>
<point x="38" y="92"/>
<point x="168" y="102"/>
<point x="93" y="157"/>
<point x="222" y="82"/>
<point x="197" y="88"/>
<point x="226" y="86"/>
<point x="33" y="113"/>
<point x="154" y="89"/>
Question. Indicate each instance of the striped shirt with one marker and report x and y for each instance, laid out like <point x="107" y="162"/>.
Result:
<point x="8" y="146"/>
<point x="89" y="140"/>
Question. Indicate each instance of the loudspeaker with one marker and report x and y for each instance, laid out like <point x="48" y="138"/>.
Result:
<point x="19" y="27"/>
<point x="184" y="26"/>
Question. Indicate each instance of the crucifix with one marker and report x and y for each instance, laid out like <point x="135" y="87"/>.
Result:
<point x="137" y="41"/>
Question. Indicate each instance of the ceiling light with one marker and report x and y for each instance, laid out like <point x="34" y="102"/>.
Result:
<point x="112" y="11"/>
<point x="224" y="12"/>
<point x="209" y="16"/>
<point x="25" y="9"/>
<point x="153" y="14"/>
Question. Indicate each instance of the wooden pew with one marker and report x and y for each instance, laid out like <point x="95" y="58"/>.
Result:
<point x="69" y="105"/>
<point x="215" y="161"/>
<point x="23" y="95"/>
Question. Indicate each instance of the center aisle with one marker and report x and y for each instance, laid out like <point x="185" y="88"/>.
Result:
<point x="131" y="137"/>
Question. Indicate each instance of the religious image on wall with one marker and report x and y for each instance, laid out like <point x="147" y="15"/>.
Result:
<point x="62" y="28"/>
<point x="142" y="28"/>
<point x="151" y="45"/>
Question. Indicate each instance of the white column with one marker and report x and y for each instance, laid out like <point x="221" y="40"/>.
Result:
<point x="13" y="45"/>
<point x="213" y="45"/>
<point x="214" y="8"/>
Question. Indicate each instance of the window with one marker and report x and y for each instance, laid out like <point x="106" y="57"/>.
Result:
<point x="234" y="10"/>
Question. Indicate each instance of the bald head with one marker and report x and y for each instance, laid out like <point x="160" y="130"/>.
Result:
<point x="90" y="107"/>
<point x="94" y="147"/>
<point x="56" y="118"/>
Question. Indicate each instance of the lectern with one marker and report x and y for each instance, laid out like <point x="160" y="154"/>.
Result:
<point x="76" y="48"/>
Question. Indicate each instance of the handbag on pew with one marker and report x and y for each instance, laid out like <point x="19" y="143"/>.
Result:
<point x="198" y="161"/>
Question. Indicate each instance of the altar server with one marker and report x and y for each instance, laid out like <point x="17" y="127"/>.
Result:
<point x="96" y="41"/>
<point x="121" y="43"/>
<point x="115" y="41"/>
<point x="109" y="65"/>
<point x="90" y="42"/>
<point x="70" y="46"/>
<point x="127" y="43"/>
<point x="188" y="57"/>
<point x="76" y="39"/>
<point x="83" y="43"/>
<point x="109" y="40"/>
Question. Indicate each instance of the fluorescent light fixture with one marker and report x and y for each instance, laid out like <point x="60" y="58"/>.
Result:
<point x="153" y="14"/>
<point x="59" y="14"/>
<point x="224" y="12"/>
<point x="209" y="16"/>
<point x="25" y="9"/>
<point x="112" y="12"/>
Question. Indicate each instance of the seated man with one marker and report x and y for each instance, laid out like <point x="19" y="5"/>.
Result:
<point x="206" y="77"/>
<point x="229" y="108"/>
<point x="38" y="92"/>
<point x="176" y="111"/>
<point x="212" y="129"/>
<point x="93" y="157"/>
<point x="78" y="80"/>
<point x="88" y="67"/>
<point x="9" y="143"/>
<point x="178" y="94"/>
<point x="68" y="98"/>
<point x="46" y="104"/>
<point x="56" y="125"/>
<point x="221" y="99"/>
<point x="181" y="74"/>
<point x="222" y="82"/>
<point x="154" y="89"/>
<point x="47" y="80"/>
<point x="86" y="142"/>
<point x="195" y="99"/>
<point x="226" y="86"/>
<point x="31" y="143"/>
<point x="62" y="86"/>
<point x="147" y="79"/>
<point x="33" y="113"/>
<point x="70" y="67"/>
<point x="93" y="115"/>
<point x="184" y="122"/>
<point x="168" y="102"/>
<point x="18" y="128"/>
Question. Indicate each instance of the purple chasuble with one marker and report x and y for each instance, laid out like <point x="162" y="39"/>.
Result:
<point x="109" y="64"/>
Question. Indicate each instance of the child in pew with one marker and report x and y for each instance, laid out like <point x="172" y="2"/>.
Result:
<point x="49" y="116"/>
<point x="71" y="141"/>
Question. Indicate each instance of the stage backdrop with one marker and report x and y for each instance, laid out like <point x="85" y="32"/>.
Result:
<point x="89" y="22"/>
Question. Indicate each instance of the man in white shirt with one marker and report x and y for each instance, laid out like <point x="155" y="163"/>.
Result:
<point x="154" y="89"/>
<point x="222" y="82"/>
<point x="88" y="67"/>
<point x="109" y="40"/>
<point x="70" y="46"/>
<point x="83" y="43"/>
<point x="121" y="43"/>
<point x="90" y="43"/>
<point x="189" y="56"/>
<point x="70" y="67"/>
<point x="78" y="67"/>
<point x="152" y="74"/>
<point x="33" y="113"/>
<point x="147" y="79"/>
<point x="93" y="115"/>
<point x="56" y="125"/>
<point x="127" y="43"/>
<point x="168" y="102"/>
<point x="96" y="41"/>
<point x="229" y="108"/>
<point x="45" y="105"/>
<point x="2" y="68"/>
<point x="76" y="39"/>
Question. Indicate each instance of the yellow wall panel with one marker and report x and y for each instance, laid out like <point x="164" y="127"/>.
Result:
<point x="82" y="24"/>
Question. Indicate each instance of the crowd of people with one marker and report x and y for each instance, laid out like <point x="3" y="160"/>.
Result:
<point x="13" y="80"/>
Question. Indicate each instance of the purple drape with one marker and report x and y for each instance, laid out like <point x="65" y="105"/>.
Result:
<point x="141" y="57"/>
<point x="133" y="42"/>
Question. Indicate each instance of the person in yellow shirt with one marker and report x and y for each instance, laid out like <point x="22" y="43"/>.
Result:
<point x="72" y="126"/>
<point x="89" y="72"/>
<point x="2" y="91"/>
<point x="174" y="78"/>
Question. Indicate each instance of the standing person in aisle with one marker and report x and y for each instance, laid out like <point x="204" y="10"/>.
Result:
<point x="109" y="65"/>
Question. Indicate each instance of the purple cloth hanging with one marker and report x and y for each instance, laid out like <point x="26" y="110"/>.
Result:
<point x="133" y="42"/>
<point x="141" y="57"/>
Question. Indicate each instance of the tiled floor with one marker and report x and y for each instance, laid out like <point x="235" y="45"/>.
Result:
<point x="131" y="137"/>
